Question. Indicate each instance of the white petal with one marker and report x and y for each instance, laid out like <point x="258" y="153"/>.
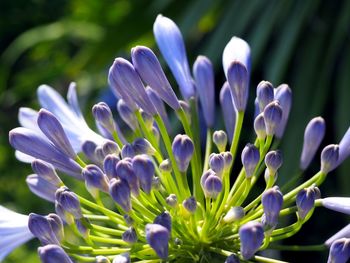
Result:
<point x="25" y="158"/>
<point x="339" y="204"/>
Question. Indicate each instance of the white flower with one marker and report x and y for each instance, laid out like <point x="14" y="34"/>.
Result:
<point x="14" y="231"/>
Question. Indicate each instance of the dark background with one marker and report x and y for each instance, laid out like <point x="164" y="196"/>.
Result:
<point x="303" y="43"/>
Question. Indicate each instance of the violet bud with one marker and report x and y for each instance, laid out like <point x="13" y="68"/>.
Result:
<point x="53" y="254"/>
<point x="220" y="140"/>
<point x="329" y="158"/>
<point x="127" y="114"/>
<point x="110" y="147"/>
<point x="236" y="50"/>
<point x="344" y="232"/>
<point x="171" y="200"/>
<point x="142" y="146"/>
<point x="283" y="94"/>
<point x="339" y="251"/>
<point x="40" y="227"/>
<point x="232" y="259"/>
<point x="212" y="186"/>
<point x="122" y="258"/>
<point x="228" y="109"/>
<point x="157" y="237"/>
<point x="344" y="147"/>
<point x="143" y="168"/>
<point x="238" y="77"/>
<point x="272" y="116"/>
<point x="130" y="235"/>
<point x="260" y="126"/>
<point x="164" y="219"/>
<point x="264" y="94"/>
<point x="205" y="175"/>
<point x="273" y="161"/>
<point x="228" y="159"/>
<point x="125" y="171"/>
<point x="41" y="187"/>
<point x="109" y="165"/>
<point x="56" y="225"/>
<point x="305" y="201"/>
<point x="217" y="163"/>
<point x="234" y="214"/>
<point x="128" y="151"/>
<point x="165" y="166"/>
<point x="158" y="103"/>
<point x="171" y="44"/>
<point x="46" y="171"/>
<point x="313" y="136"/>
<point x="190" y="204"/>
<point x="95" y="180"/>
<point x="103" y="116"/>
<point x="66" y="217"/>
<point x="183" y="149"/>
<point x="54" y="131"/>
<point x="69" y="201"/>
<point x="250" y="159"/>
<point x="120" y="192"/>
<point x="272" y="201"/>
<point x="203" y="73"/>
<point x="83" y="230"/>
<point x="251" y="236"/>
<point x="89" y="149"/>
<point x="151" y="72"/>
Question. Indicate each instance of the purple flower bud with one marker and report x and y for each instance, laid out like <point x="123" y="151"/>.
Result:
<point x="128" y="151"/>
<point x="339" y="204"/>
<point x="66" y="217"/>
<point x="260" y="126"/>
<point x="344" y="232"/>
<point x="53" y="254"/>
<point x="40" y="227"/>
<point x="228" y="159"/>
<point x="344" y="147"/>
<point x="272" y="201"/>
<point x="165" y="166"/>
<point x="158" y="103"/>
<point x="172" y="47"/>
<point x="103" y="116"/>
<point x="122" y="258"/>
<point x="99" y="155"/>
<point x="283" y="94"/>
<point x="46" y="171"/>
<point x="164" y="219"/>
<point x="125" y="171"/>
<point x="339" y="251"/>
<point x="212" y="186"/>
<point x="232" y="259"/>
<point x="313" y="136"/>
<point x="142" y="146"/>
<point x="329" y="158"/>
<point x="217" y="163"/>
<point x="41" y="187"/>
<point x="148" y="66"/>
<point x="183" y="150"/>
<point x="205" y="176"/>
<point x="83" y="230"/>
<point x="272" y="116"/>
<point x="273" y="161"/>
<point x="33" y="144"/>
<point x="234" y="214"/>
<point x="264" y="94"/>
<point x="190" y="204"/>
<point x="130" y="235"/>
<point x="228" y="109"/>
<point x="109" y="165"/>
<point x="203" y="73"/>
<point x="236" y="50"/>
<point x="88" y="148"/>
<point x="220" y="140"/>
<point x="251" y="235"/>
<point x="250" y="159"/>
<point x="53" y="130"/>
<point x="56" y="225"/>
<point x="125" y="77"/>
<point x="110" y="147"/>
<point x="127" y="114"/>
<point x="69" y="201"/>
<point x="157" y="237"/>
<point x="238" y="77"/>
<point x="171" y="200"/>
<point x="120" y="192"/>
<point x="95" y="180"/>
<point x="144" y="170"/>
<point x="305" y="201"/>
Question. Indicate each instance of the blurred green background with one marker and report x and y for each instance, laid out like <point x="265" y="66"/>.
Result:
<point x="303" y="43"/>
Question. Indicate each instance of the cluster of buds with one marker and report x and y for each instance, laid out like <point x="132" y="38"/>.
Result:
<point x="148" y="195"/>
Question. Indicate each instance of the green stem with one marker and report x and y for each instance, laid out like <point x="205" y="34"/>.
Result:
<point x="236" y="134"/>
<point x="208" y="146"/>
<point x="320" y="247"/>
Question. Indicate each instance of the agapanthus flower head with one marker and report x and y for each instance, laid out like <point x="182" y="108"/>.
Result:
<point x="158" y="191"/>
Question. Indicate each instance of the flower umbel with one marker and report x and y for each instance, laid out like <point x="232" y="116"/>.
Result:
<point x="155" y="196"/>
